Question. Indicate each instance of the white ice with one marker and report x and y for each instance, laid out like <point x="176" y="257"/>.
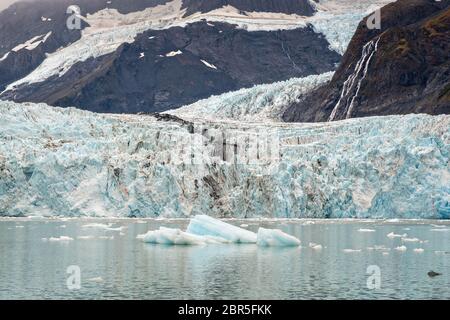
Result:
<point x="275" y="238"/>
<point x="170" y="236"/>
<point x="203" y="225"/>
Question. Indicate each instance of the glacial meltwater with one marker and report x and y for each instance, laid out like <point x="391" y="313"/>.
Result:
<point x="337" y="259"/>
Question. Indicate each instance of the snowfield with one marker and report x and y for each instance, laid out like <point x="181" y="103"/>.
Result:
<point x="69" y="162"/>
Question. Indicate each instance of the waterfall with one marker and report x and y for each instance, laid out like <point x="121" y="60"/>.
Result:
<point x="352" y="85"/>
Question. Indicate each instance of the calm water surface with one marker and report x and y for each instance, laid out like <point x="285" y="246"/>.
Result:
<point x="123" y="267"/>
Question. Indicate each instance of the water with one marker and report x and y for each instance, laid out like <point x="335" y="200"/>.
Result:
<point x="125" y="268"/>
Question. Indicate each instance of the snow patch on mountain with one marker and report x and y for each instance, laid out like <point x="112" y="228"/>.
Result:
<point x="260" y="103"/>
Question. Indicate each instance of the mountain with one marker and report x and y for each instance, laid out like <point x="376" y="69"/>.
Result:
<point x="154" y="55"/>
<point x="402" y="68"/>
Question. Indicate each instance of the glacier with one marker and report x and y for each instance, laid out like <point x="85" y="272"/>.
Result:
<point x="265" y="102"/>
<point x="69" y="162"/>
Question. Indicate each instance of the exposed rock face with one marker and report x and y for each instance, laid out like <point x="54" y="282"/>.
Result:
<point x="182" y="65"/>
<point x="301" y="7"/>
<point x="402" y="68"/>
<point x="141" y="75"/>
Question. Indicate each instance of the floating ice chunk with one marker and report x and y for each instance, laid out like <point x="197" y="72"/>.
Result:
<point x="97" y="225"/>
<point x="106" y="238"/>
<point x="440" y="230"/>
<point x="19" y="227"/>
<point x="307" y="223"/>
<point x="62" y="226"/>
<point x="244" y="225"/>
<point x="366" y="230"/>
<point x="315" y="246"/>
<point x="410" y="240"/>
<point x="419" y="250"/>
<point x="275" y="238"/>
<point x="393" y="235"/>
<point x="177" y="237"/>
<point x="352" y="250"/>
<point x="61" y="238"/>
<point x="85" y="237"/>
<point x="385" y="253"/>
<point x="96" y="279"/>
<point x="203" y="225"/>
<point x="401" y="248"/>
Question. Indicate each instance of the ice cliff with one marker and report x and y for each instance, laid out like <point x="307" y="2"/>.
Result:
<point x="74" y="163"/>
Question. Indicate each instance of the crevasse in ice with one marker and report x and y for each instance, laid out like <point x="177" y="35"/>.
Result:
<point x="69" y="162"/>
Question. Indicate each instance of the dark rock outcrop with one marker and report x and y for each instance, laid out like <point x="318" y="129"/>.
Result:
<point x="403" y="68"/>
<point x="124" y="82"/>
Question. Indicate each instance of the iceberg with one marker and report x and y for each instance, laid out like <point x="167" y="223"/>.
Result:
<point x="203" y="225"/>
<point x="170" y="236"/>
<point x="275" y="238"/>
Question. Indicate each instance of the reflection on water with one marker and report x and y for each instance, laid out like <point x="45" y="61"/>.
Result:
<point x="125" y="268"/>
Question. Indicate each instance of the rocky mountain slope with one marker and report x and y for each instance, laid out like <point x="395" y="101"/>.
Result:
<point x="402" y="68"/>
<point x="155" y="55"/>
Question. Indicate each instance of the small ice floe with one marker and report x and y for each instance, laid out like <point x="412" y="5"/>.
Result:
<point x="418" y="250"/>
<point x="174" y="53"/>
<point x="121" y="234"/>
<point x="61" y="238"/>
<point x="410" y="240"/>
<point x="20" y="227"/>
<point x="315" y="246"/>
<point x="406" y="229"/>
<point x="275" y="238"/>
<point x="392" y="235"/>
<point x="107" y="227"/>
<point x="177" y="237"/>
<point x="378" y="248"/>
<point x="395" y="220"/>
<point x="151" y="38"/>
<point x="401" y="248"/>
<point x="244" y="225"/>
<point x="106" y="238"/>
<point x="96" y="279"/>
<point x="97" y="225"/>
<point x="62" y="226"/>
<point x="141" y="55"/>
<point x="385" y="253"/>
<point x="366" y="230"/>
<point x="85" y="237"/>
<point x="440" y="230"/>
<point x="307" y="223"/>
<point x="203" y="225"/>
<point x="351" y="250"/>
<point x="141" y="221"/>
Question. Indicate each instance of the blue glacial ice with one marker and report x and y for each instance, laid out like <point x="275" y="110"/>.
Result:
<point x="203" y="225"/>
<point x="204" y="230"/>
<point x="70" y="162"/>
<point x="275" y="238"/>
<point x="170" y="236"/>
